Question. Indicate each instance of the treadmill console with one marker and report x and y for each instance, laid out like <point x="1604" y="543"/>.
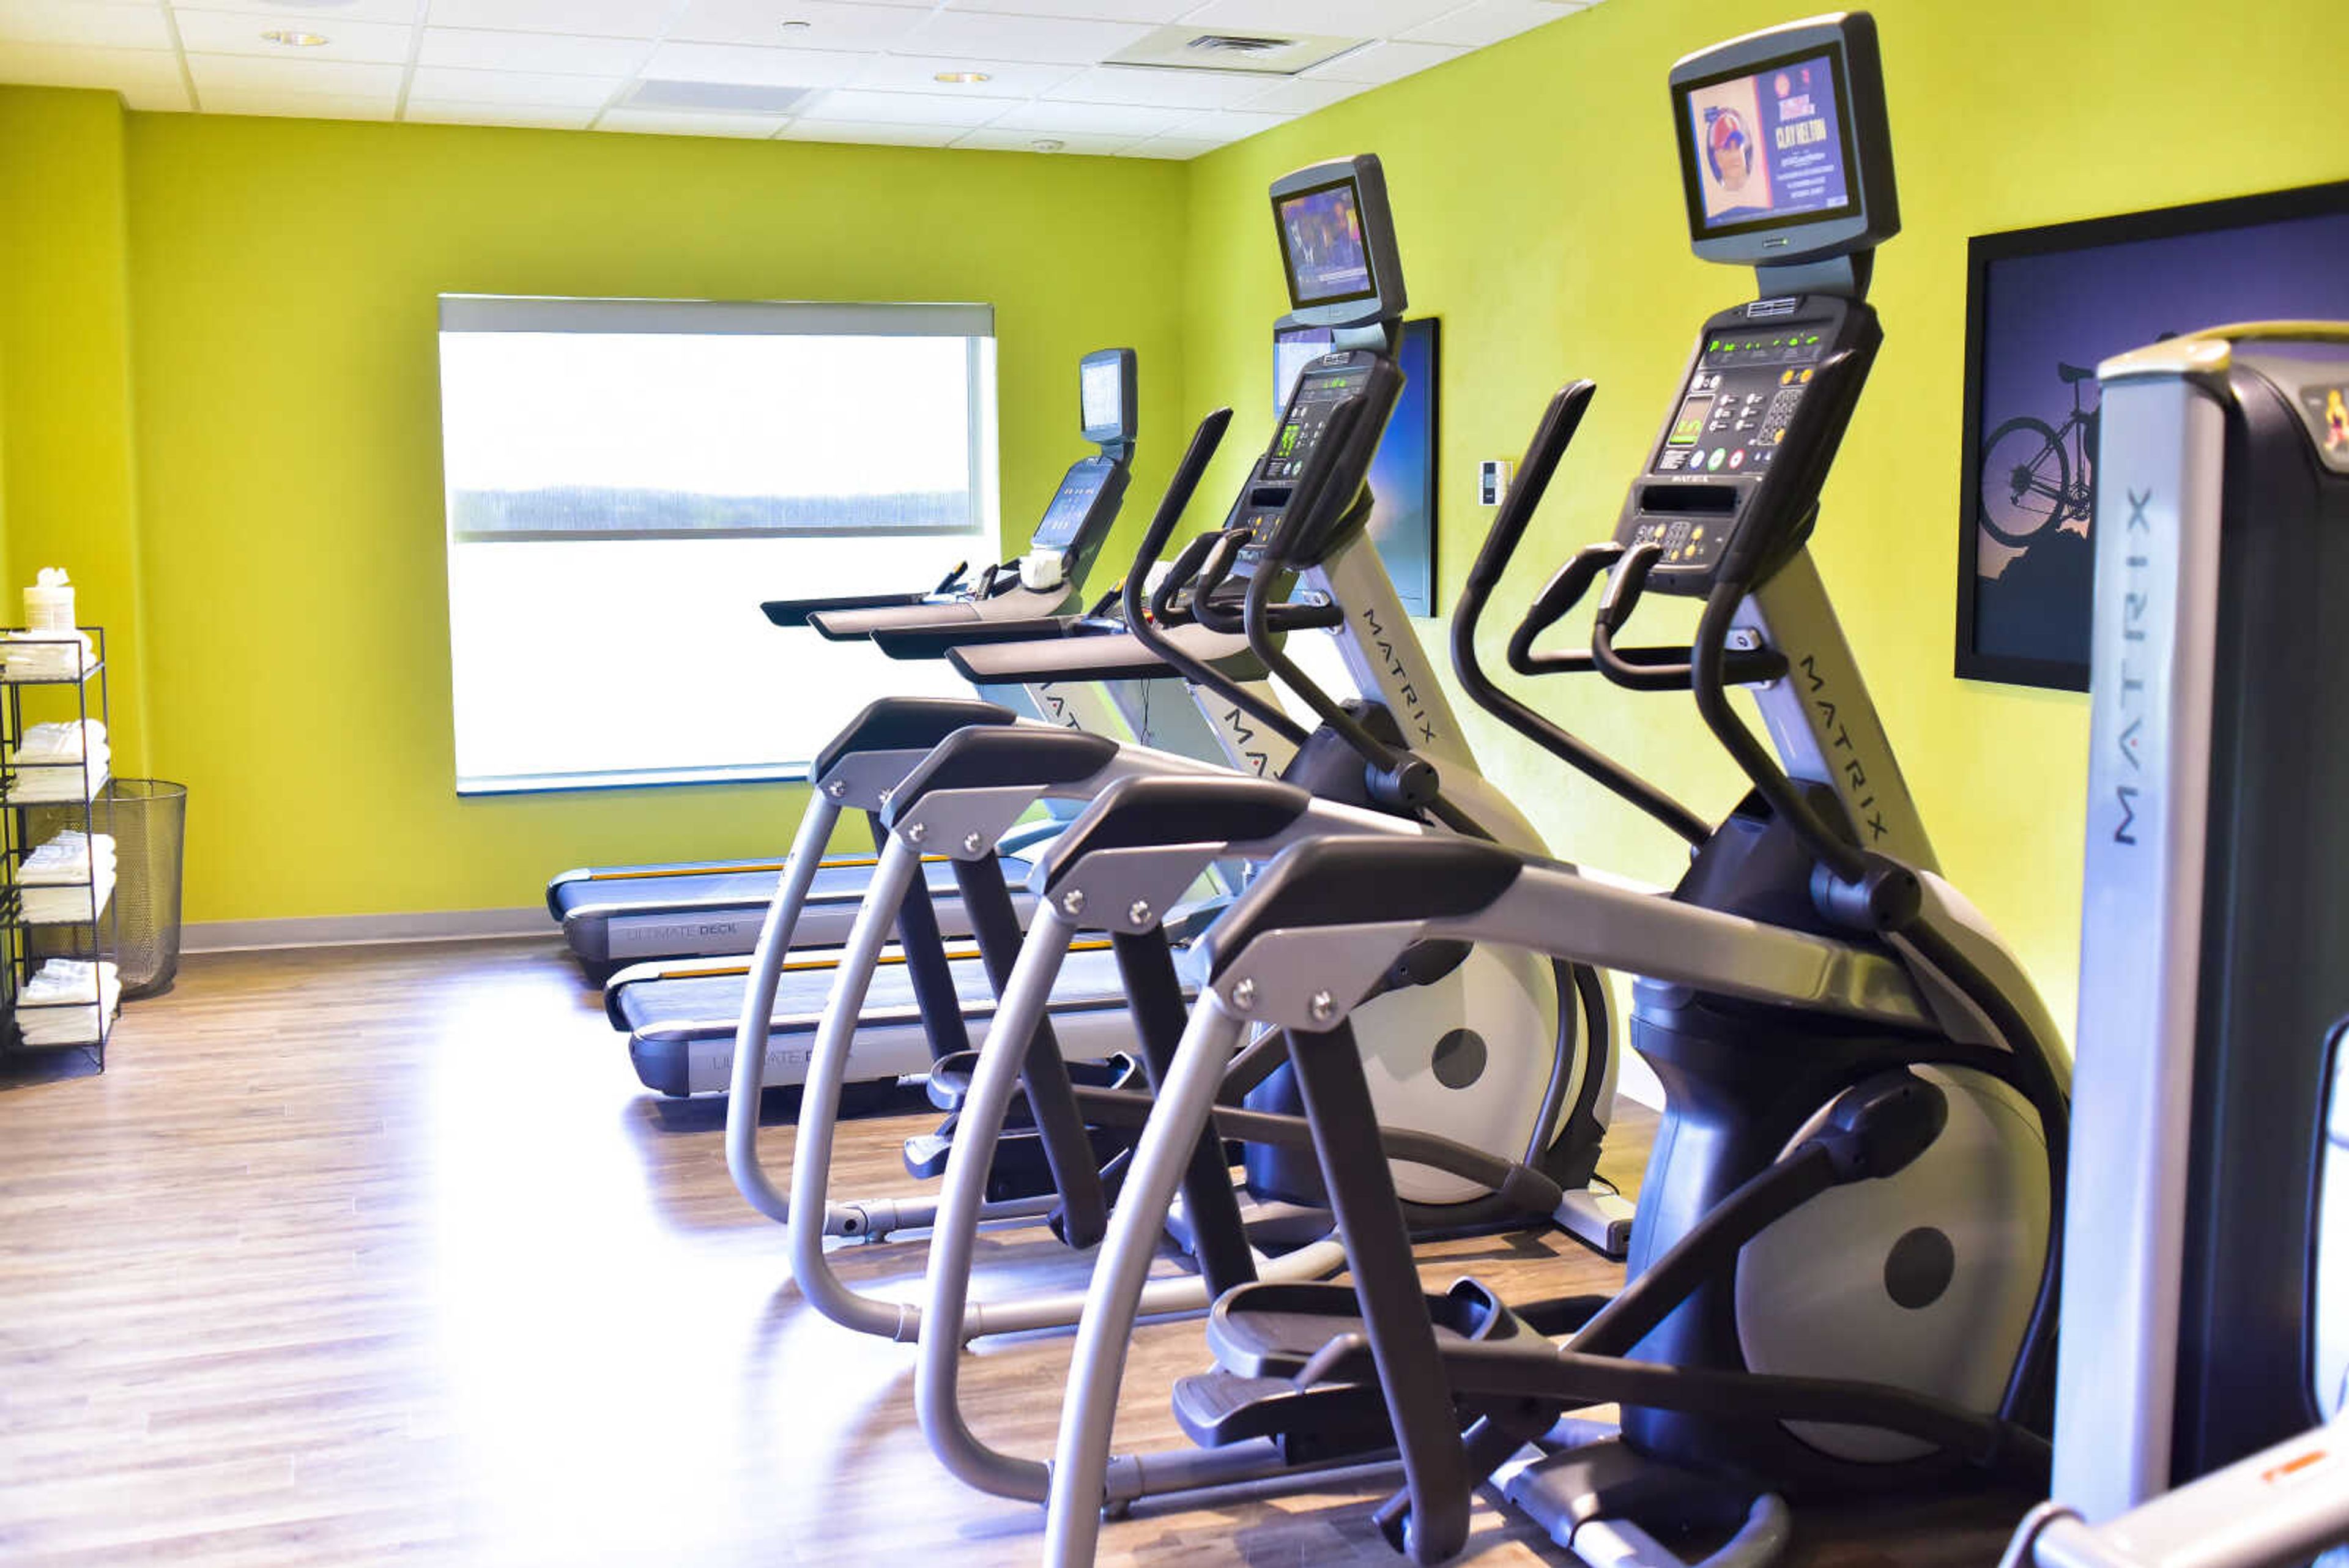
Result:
<point x="1085" y="506"/>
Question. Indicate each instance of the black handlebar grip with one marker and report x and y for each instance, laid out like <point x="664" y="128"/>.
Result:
<point x="1172" y="505"/>
<point x="1551" y="437"/>
<point x="1185" y="570"/>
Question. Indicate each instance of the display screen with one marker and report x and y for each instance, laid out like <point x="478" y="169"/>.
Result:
<point x="1770" y="147"/>
<point x="1322" y="237"/>
<point x="1070" y="505"/>
<point x="1102" y="390"/>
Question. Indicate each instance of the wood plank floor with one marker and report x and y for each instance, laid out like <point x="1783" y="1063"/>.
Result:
<point x="381" y="1254"/>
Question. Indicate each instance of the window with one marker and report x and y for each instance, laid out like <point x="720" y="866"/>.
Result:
<point x="627" y="479"/>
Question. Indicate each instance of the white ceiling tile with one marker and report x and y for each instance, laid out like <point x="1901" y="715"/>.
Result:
<point x="449" y="84"/>
<point x="147" y="78"/>
<point x="1349" y="18"/>
<point x="1303" y="94"/>
<point x="596" y="18"/>
<point x="903" y="109"/>
<point x="240" y="33"/>
<point x="256" y="75"/>
<point x="542" y="116"/>
<point x="919" y="73"/>
<point x="1377" y="64"/>
<point x="1132" y="122"/>
<point x="1228" y="124"/>
<point x="57" y="22"/>
<point x="294" y="13"/>
<point x="476" y="49"/>
<point x="658" y="122"/>
<point x="1176" y="146"/>
<point x="1072" y="143"/>
<point x="1084" y="10"/>
<point x="999" y="37"/>
<point x="870" y="135"/>
<point x="751" y="67"/>
<point x="831" y="24"/>
<point x="335" y="105"/>
<point x="1166" y="89"/>
<point x="1489" y="22"/>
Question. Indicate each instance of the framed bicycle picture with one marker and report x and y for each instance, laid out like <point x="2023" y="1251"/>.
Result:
<point x="2042" y="306"/>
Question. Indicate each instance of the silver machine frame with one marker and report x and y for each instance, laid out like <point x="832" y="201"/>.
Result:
<point x="2162" y="479"/>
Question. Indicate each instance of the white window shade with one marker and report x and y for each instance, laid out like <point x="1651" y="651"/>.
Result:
<point x="627" y="479"/>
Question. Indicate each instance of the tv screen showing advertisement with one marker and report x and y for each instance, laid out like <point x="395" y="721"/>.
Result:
<point x="1773" y="146"/>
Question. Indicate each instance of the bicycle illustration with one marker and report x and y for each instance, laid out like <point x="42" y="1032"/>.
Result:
<point x="2029" y="481"/>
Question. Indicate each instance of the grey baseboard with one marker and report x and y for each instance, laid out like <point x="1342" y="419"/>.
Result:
<point x="348" y="931"/>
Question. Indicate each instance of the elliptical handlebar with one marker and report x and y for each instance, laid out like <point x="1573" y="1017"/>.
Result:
<point x="1139" y="621"/>
<point x="1551" y="438"/>
<point x="1205" y="440"/>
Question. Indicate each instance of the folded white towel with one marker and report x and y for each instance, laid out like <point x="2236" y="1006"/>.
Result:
<point x="60" y="742"/>
<point x="67" y="857"/>
<point x="45" y="1014"/>
<point x="55" y="786"/>
<point x="45" y="655"/>
<point x="68" y="905"/>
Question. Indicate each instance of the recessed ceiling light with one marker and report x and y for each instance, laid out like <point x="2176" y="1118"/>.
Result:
<point x="794" y="27"/>
<point x="1046" y="144"/>
<point x="294" y="38"/>
<point x="964" y="77"/>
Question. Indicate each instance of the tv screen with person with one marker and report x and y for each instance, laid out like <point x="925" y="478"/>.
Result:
<point x="1770" y="144"/>
<point x="1321" y="237"/>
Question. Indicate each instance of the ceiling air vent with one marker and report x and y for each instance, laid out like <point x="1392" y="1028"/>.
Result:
<point x="1240" y="43"/>
<point x="1252" y="53"/>
<point x="716" y="97"/>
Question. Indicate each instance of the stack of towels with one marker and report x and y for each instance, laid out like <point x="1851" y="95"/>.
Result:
<point x="56" y="877"/>
<point x="44" y="1013"/>
<point x="60" y="762"/>
<point x="46" y="655"/>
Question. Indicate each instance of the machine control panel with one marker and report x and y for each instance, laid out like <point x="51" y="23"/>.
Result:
<point x="1073" y="505"/>
<point x="1739" y="401"/>
<point x="1326" y="383"/>
<point x="1754" y="370"/>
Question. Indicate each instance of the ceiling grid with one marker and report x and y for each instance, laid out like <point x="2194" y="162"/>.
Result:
<point x="1151" y="79"/>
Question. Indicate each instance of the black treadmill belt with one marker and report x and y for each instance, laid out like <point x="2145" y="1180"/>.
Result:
<point x="728" y="888"/>
<point x="695" y="1000"/>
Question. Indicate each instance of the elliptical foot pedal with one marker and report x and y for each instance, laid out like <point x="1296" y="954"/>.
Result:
<point x="1337" y="1420"/>
<point x="949" y="1077"/>
<point x="1272" y="1330"/>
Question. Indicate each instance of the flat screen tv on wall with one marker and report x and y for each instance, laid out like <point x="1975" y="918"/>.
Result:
<point x="2042" y="306"/>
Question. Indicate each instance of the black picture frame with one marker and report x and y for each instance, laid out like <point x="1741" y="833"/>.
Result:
<point x="2271" y="238"/>
<point x="1404" y="475"/>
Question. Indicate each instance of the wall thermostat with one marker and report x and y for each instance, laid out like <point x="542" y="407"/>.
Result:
<point x="1493" y="480"/>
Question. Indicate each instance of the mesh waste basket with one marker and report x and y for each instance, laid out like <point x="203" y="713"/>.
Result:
<point x="147" y="819"/>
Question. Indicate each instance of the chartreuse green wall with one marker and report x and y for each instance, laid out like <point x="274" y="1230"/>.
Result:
<point x="218" y="401"/>
<point x="1535" y="192"/>
<point x="271" y="285"/>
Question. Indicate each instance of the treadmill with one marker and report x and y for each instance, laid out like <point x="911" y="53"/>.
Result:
<point x="617" y="914"/>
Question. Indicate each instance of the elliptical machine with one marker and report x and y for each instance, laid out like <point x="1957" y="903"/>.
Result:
<point x="1498" y="1065"/>
<point x="1841" y="1272"/>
